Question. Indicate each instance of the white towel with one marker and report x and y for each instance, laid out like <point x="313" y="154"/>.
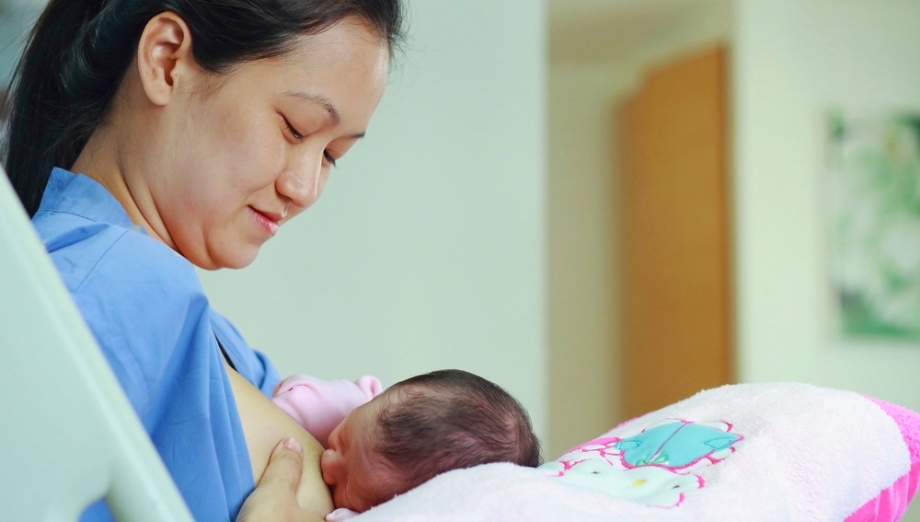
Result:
<point x="752" y="452"/>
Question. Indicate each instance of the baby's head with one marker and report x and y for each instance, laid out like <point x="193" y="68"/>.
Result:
<point x="422" y="427"/>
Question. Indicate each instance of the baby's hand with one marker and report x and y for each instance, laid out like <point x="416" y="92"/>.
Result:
<point x="319" y="405"/>
<point x="341" y="514"/>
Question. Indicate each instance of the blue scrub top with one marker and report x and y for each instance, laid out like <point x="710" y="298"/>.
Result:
<point x="148" y="312"/>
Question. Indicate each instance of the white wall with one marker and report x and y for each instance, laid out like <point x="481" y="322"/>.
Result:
<point x="427" y="249"/>
<point x="16" y="20"/>
<point x="582" y="254"/>
<point x="586" y="86"/>
<point x="793" y="59"/>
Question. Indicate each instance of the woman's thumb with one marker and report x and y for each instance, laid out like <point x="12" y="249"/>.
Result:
<point x="285" y="466"/>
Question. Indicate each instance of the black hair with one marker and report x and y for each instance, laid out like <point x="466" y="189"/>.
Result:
<point x="452" y="419"/>
<point x="79" y="51"/>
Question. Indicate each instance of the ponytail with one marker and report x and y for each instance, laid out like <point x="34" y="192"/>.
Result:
<point x="60" y="92"/>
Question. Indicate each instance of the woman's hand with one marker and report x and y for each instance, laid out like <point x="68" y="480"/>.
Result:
<point x="283" y="497"/>
<point x="275" y="498"/>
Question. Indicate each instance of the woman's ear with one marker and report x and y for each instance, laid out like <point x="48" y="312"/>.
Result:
<point x="164" y="56"/>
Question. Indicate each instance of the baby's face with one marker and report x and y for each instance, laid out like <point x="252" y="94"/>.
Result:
<point x="357" y="475"/>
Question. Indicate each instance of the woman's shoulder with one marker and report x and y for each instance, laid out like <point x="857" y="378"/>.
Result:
<point x="91" y="239"/>
<point x="142" y="301"/>
<point x="126" y="283"/>
<point x="92" y="253"/>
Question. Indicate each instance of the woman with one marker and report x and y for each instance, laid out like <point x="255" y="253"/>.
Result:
<point x="147" y="137"/>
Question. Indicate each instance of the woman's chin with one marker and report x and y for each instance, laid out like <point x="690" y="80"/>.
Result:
<point x="240" y="258"/>
<point x="241" y="261"/>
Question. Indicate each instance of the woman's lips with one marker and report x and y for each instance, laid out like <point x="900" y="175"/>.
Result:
<point x="267" y="221"/>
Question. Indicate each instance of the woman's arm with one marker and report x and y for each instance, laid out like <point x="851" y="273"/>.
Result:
<point x="264" y="425"/>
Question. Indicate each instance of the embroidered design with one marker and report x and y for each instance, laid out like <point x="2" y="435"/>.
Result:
<point x="675" y="445"/>
<point x="655" y="466"/>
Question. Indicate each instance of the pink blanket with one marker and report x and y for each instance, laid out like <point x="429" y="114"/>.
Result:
<point x="752" y="452"/>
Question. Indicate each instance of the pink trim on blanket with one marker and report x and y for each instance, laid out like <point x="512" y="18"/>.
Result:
<point x="890" y="504"/>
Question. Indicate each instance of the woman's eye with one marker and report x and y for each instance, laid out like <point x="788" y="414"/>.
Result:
<point x="296" y="135"/>
<point x="329" y="158"/>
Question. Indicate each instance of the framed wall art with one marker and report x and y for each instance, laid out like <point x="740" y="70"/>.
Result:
<point x="873" y="169"/>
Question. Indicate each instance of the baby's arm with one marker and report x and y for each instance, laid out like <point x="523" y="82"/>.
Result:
<point x="319" y="405"/>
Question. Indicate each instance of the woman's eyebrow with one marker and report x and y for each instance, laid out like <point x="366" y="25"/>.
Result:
<point x="320" y="100"/>
<point x="326" y="104"/>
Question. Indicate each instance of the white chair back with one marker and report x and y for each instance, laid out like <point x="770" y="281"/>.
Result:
<point x="68" y="435"/>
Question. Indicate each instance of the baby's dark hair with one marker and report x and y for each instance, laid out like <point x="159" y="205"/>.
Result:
<point x="452" y="419"/>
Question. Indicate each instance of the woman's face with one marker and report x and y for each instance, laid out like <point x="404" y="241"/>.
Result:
<point x="243" y="156"/>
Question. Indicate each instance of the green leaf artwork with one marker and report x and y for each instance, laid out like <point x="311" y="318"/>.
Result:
<point x="874" y="216"/>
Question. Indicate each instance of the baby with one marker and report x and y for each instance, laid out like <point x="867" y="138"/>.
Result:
<point x="380" y="444"/>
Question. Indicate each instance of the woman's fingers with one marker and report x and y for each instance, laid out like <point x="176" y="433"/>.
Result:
<point x="285" y="466"/>
<point x="275" y="498"/>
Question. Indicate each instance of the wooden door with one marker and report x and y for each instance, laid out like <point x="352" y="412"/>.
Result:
<point x="675" y="274"/>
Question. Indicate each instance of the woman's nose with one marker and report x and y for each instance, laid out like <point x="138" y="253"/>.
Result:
<point x="302" y="184"/>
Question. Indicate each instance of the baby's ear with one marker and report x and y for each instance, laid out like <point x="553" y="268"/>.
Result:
<point x="164" y="56"/>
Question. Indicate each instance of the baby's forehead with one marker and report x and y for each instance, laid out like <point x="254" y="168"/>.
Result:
<point x="393" y="396"/>
<point x="389" y="402"/>
<point x="370" y="412"/>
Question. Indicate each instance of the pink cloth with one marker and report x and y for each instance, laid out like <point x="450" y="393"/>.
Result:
<point x="341" y="514"/>
<point x="890" y="504"/>
<point x="319" y="405"/>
